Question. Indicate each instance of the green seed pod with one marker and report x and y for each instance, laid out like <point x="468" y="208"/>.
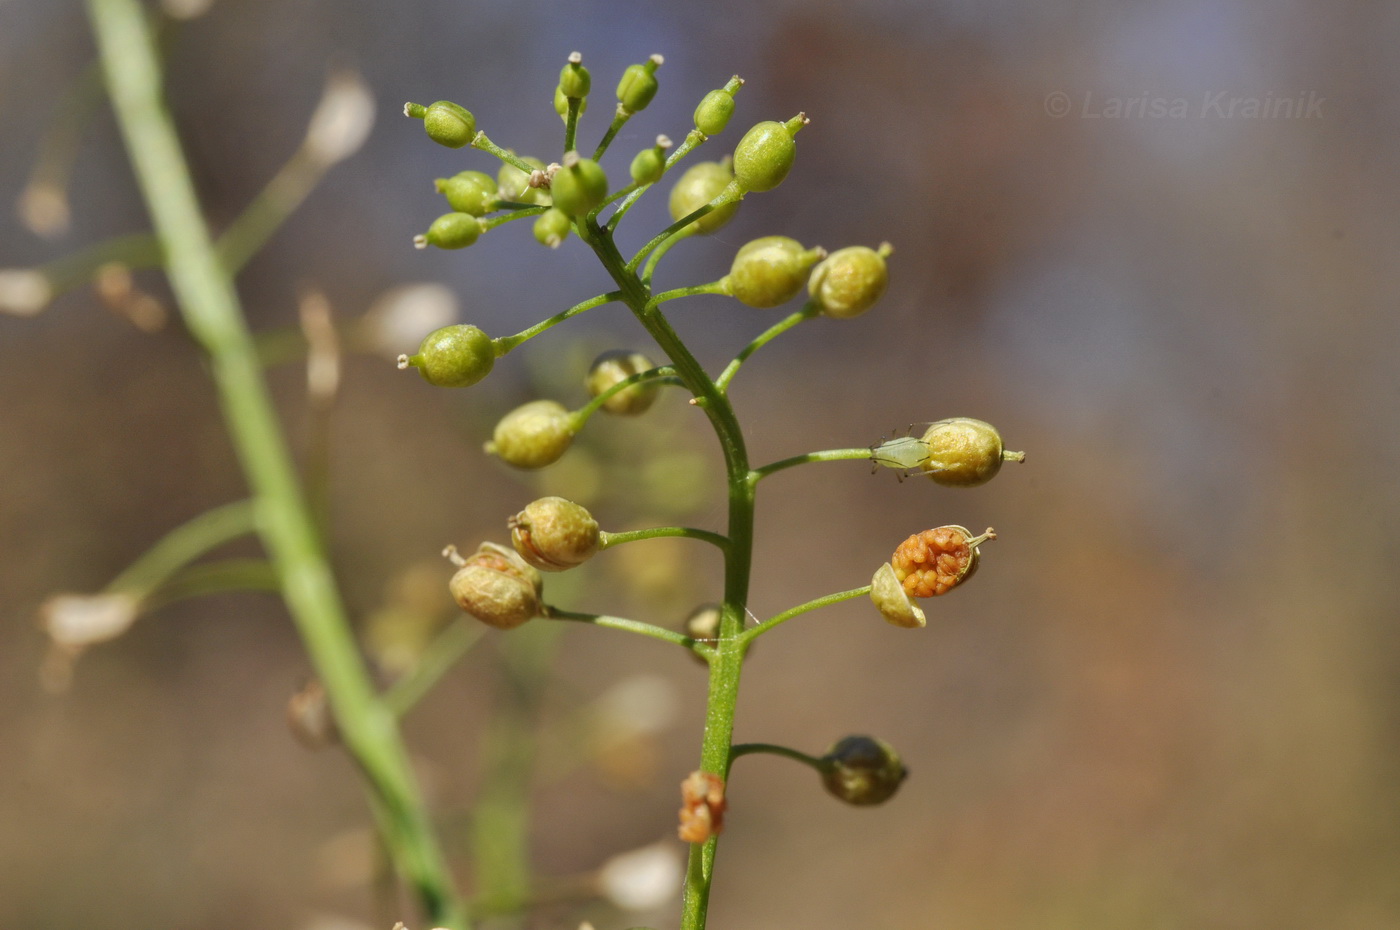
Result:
<point x="700" y="184"/>
<point x="446" y="123"/>
<point x="963" y="452"/>
<point x="615" y="366"/>
<point x="769" y="271"/>
<point x="533" y="435"/>
<point x="889" y="596"/>
<point x="579" y="186"/>
<point x="574" y="79"/>
<point x="714" y="111"/>
<point x="561" y="104"/>
<point x="552" y="227"/>
<point x="862" y="770"/>
<point x="450" y="231"/>
<point x="850" y="280"/>
<point x="766" y="153"/>
<point x="469" y="192"/>
<point x="453" y="356"/>
<point x="650" y="164"/>
<point x="514" y="184"/>
<point x="638" y="85"/>
<point x="496" y="586"/>
<point x="554" y="534"/>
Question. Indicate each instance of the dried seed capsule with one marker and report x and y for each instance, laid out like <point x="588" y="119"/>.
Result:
<point x="700" y="184"/>
<point x="963" y="452"/>
<point x="574" y="79"/>
<point x="638" y="85"/>
<point x="934" y="561"/>
<point x="453" y="356"/>
<point x="552" y="227"/>
<point x="579" y="186"/>
<point x="554" y="534"/>
<point x="616" y="366"/>
<point x="702" y="807"/>
<point x="765" y="155"/>
<point x="849" y="281"/>
<point x="469" y="192"/>
<point x="495" y="586"/>
<point x="862" y="770"/>
<point x="450" y="231"/>
<point x="533" y="435"/>
<point x="514" y="184"/>
<point x="446" y="123"/>
<point x="888" y="594"/>
<point x="769" y="271"/>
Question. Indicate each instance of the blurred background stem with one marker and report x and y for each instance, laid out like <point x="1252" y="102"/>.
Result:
<point x="211" y="310"/>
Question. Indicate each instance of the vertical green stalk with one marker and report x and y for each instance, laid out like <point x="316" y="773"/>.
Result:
<point x="727" y="663"/>
<point x="211" y="311"/>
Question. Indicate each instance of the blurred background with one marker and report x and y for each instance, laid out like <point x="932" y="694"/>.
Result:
<point x="1167" y="701"/>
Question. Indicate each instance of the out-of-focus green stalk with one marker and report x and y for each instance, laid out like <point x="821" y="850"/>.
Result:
<point x="212" y="313"/>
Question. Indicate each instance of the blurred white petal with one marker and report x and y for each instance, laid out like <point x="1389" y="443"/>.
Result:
<point x="402" y="316"/>
<point x="643" y="879"/>
<point x="23" y="291"/>
<point x="77" y="620"/>
<point x="342" y="120"/>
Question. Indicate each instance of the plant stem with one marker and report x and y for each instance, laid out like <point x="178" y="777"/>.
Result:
<point x="218" y="577"/>
<point x="693" y="139"/>
<point x="608" y="540"/>
<point x="506" y="343"/>
<point x="183" y="545"/>
<point x="824" y="601"/>
<point x="620" y="118"/>
<point x="480" y="141"/>
<point x="748" y="749"/>
<point x="763" y="338"/>
<point x="212" y="313"/>
<point x="571" y="123"/>
<point x="622" y="623"/>
<point x="826" y="455"/>
<point x="442" y="653"/>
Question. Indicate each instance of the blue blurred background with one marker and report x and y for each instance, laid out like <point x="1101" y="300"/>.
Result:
<point x="1167" y="701"/>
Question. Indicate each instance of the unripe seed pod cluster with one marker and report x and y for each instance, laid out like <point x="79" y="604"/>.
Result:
<point x="579" y="186"/>
<point x="554" y="534"/>
<point x="453" y="356"/>
<point x="770" y="271"/>
<point x="533" y="435"/>
<point x="701" y="183"/>
<point x="613" y="367"/>
<point x="496" y="586"/>
<point x="862" y="770"/>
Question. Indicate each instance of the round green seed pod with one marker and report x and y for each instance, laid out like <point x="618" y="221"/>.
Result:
<point x="561" y="104"/>
<point x="554" y="534"/>
<point x="849" y="281"/>
<point x="533" y="435"/>
<point x="764" y="156"/>
<point x="648" y="166"/>
<point x="579" y="186"/>
<point x="514" y="184"/>
<point x="574" y="79"/>
<point x="497" y="587"/>
<point x="469" y="192"/>
<point x="862" y="770"/>
<point x="963" y="452"/>
<point x="449" y="124"/>
<point x="700" y="184"/>
<point x="638" y="85"/>
<point x="552" y="227"/>
<point x="714" y="111"/>
<point x="615" y="366"/>
<point x="769" y="271"/>
<point x="450" y="231"/>
<point x="453" y="356"/>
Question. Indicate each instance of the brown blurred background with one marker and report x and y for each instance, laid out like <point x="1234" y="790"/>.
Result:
<point x="1167" y="701"/>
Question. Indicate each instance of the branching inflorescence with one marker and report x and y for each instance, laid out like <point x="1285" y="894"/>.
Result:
<point x="573" y="196"/>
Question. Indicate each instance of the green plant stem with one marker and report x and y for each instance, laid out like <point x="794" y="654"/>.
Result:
<point x="279" y="199"/>
<point x="571" y="123"/>
<point x="212" y="313"/>
<point x="480" y="141"/>
<point x="505" y="343"/>
<point x="693" y="139"/>
<point x="749" y="749"/>
<point x="663" y="374"/>
<point x="183" y="545"/>
<point x="694" y="290"/>
<point x="524" y="210"/>
<point x="135" y="250"/>
<point x="727" y="659"/>
<point x="622" y="623"/>
<point x="219" y="577"/>
<point x="656" y="255"/>
<point x="826" y="455"/>
<point x="826" y="600"/>
<point x="608" y="540"/>
<point x="620" y="118"/>
<point x="446" y="649"/>
<point x="767" y="336"/>
<point x="729" y="195"/>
